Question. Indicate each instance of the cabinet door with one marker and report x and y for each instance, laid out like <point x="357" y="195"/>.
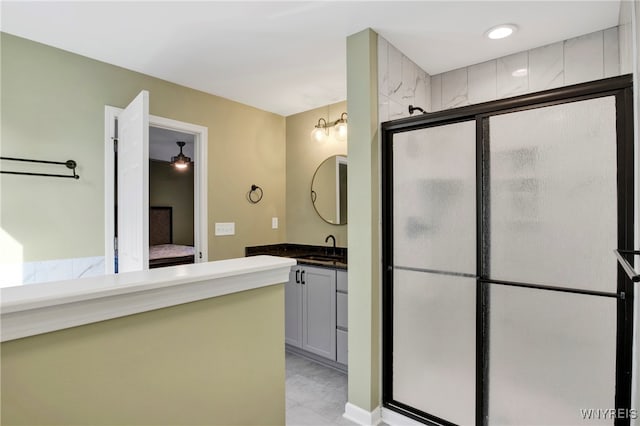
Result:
<point x="342" y="348"/>
<point x="342" y="284"/>
<point x="293" y="309"/>
<point x="342" y="310"/>
<point x="319" y="311"/>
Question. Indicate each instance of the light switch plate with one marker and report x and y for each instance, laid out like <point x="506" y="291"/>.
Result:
<point x="274" y="223"/>
<point x="225" y="228"/>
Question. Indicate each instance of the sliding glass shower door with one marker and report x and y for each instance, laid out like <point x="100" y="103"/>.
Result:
<point x="553" y="222"/>
<point x="434" y="267"/>
<point x="502" y="299"/>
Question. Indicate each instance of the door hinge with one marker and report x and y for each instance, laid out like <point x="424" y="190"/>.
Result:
<point x="115" y="145"/>
<point x="200" y="255"/>
<point x="622" y="295"/>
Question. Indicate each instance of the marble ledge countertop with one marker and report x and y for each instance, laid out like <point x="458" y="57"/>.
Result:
<point x="323" y="256"/>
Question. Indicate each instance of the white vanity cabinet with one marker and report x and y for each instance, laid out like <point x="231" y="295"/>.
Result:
<point x="310" y="310"/>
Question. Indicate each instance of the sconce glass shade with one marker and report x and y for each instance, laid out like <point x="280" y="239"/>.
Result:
<point x="180" y="161"/>
<point x="320" y="131"/>
<point x="341" y="127"/>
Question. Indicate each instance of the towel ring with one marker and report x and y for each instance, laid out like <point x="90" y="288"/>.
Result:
<point x="255" y="194"/>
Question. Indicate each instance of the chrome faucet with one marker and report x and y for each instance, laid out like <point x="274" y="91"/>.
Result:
<point x="326" y="240"/>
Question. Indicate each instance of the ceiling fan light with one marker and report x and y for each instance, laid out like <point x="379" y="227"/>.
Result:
<point x="180" y="161"/>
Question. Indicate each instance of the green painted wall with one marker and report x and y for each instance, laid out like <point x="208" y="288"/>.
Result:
<point x="364" y="221"/>
<point x="52" y="106"/>
<point x="218" y="361"/>
<point x="169" y="187"/>
<point x="304" y="226"/>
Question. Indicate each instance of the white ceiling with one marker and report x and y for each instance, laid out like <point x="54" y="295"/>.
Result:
<point x="290" y="56"/>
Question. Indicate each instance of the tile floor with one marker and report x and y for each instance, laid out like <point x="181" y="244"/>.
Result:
<point x="316" y="394"/>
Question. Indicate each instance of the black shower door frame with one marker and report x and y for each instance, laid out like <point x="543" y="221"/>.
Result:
<point x="621" y="88"/>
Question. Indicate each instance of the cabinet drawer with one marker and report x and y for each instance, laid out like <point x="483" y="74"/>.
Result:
<point x="341" y="346"/>
<point x="341" y="310"/>
<point x="341" y="284"/>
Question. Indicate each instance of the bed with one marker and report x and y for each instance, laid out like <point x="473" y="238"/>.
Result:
<point x="162" y="251"/>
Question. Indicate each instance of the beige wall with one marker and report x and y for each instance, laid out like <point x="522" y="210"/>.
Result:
<point x="169" y="187"/>
<point x="304" y="226"/>
<point x="218" y="361"/>
<point x="53" y="109"/>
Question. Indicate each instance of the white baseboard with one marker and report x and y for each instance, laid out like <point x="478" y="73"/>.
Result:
<point x="360" y="416"/>
<point x="396" y="419"/>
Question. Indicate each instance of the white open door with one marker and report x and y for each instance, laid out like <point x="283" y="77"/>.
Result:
<point x="133" y="186"/>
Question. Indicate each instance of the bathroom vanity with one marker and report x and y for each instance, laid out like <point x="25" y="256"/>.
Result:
<point x="316" y="297"/>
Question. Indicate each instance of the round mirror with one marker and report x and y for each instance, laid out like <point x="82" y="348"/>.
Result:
<point x="329" y="190"/>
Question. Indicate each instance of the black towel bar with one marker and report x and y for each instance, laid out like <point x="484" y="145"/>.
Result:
<point x="69" y="163"/>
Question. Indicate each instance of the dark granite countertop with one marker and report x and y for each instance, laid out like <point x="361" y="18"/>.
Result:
<point x="323" y="256"/>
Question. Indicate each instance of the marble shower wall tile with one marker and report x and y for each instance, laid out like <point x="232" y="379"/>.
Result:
<point x="409" y="80"/>
<point x="546" y="67"/>
<point x="88" y="267"/>
<point x="611" y="52"/>
<point x="383" y="108"/>
<point x="625" y="41"/>
<point x="436" y="92"/>
<point x="400" y="83"/>
<point x="584" y="58"/>
<point x="455" y="88"/>
<point x="60" y="269"/>
<point x="482" y="82"/>
<point x="29" y="273"/>
<point x="383" y="66"/>
<point x="54" y="270"/>
<point x="422" y="98"/>
<point x="589" y="57"/>
<point x="394" y="82"/>
<point x="512" y="75"/>
<point x="397" y="110"/>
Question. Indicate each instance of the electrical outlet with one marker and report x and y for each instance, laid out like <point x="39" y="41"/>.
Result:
<point x="225" y="228"/>
<point x="274" y="223"/>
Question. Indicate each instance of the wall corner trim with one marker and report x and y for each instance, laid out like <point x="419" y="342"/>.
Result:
<point x="362" y="417"/>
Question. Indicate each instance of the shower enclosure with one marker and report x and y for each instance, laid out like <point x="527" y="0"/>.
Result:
<point x="502" y="300"/>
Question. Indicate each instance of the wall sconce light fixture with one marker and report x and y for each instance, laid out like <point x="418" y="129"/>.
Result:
<point x="320" y="131"/>
<point x="180" y="161"/>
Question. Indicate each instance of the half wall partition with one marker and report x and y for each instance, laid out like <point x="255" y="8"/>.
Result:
<point x="502" y="300"/>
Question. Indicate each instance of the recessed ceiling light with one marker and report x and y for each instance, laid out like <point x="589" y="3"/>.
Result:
<point x="501" y="31"/>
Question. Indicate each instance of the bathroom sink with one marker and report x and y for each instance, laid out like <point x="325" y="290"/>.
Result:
<point x="321" y="257"/>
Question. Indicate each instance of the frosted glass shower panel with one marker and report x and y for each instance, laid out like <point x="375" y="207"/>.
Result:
<point x="434" y="344"/>
<point x="551" y="355"/>
<point x="553" y="195"/>
<point x="434" y="198"/>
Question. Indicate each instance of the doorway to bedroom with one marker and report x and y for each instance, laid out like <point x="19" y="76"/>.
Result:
<point x="171" y="197"/>
<point x="127" y="184"/>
